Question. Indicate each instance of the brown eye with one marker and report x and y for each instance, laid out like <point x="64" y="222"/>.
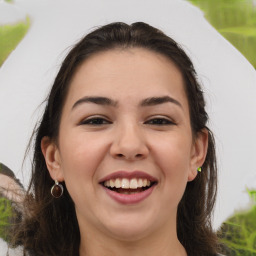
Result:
<point x="159" y="121"/>
<point x="95" y="121"/>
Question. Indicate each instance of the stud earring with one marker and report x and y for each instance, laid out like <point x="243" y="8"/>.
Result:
<point x="57" y="190"/>
<point x="199" y="169"/>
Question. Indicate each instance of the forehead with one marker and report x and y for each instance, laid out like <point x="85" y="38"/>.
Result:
<point x="131" y="72"/>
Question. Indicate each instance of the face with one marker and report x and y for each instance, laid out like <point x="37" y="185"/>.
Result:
<point x="125" y="147"/>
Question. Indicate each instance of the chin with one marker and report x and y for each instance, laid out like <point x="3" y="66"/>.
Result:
<point x="130" y="229"/>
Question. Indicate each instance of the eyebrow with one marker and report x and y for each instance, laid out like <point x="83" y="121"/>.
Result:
<point x="152" y="101"/>
<point x="97" y="100"/>
<point x="159" y="100"/>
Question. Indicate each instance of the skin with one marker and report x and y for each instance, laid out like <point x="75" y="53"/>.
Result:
<point x="155" y="139"/>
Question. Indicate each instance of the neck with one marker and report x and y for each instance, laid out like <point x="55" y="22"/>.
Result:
<point x="161" y="243"/>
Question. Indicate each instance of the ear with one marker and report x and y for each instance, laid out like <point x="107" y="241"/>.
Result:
<point x="198" y="153"/>
<point x="52" y="158"/>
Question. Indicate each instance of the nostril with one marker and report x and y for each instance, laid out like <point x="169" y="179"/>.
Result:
<point x="137" y="156"/>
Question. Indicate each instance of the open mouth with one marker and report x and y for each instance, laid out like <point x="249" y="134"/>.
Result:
<point x="128" y="186"/>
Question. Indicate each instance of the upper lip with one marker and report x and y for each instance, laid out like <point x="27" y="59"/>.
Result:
<point x="128" y="175"/>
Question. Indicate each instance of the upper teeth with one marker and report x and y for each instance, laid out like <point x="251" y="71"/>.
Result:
<point x="126" y="183"/>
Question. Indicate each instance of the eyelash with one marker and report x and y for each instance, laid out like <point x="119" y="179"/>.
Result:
<point x="95" y="121"/>
<point x="98" y="121"/>
<point x="160" y="121"/>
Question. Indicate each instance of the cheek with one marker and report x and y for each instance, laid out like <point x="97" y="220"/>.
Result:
<point x="173" y="151"/>
<point x="173" y="158"/>
<point x="80" y="157"/>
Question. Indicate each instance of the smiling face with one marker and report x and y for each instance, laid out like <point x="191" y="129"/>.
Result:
<point x="125" y="147"/>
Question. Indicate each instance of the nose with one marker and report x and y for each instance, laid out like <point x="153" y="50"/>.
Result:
<point x="129" y="144"/>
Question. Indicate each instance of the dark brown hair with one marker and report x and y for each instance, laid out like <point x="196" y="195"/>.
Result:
<point x="50" y="226"/>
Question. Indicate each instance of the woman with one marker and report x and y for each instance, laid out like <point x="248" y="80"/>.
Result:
<point x="124" y="163"/>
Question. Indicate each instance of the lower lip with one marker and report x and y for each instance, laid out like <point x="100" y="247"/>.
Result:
<point x="129" y="198"/>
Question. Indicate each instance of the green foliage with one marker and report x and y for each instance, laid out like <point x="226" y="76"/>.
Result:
<point x="5" y="216"/>
<point x="235" y="20"/>
<point x="238" y="233"/>
<point x="252" y="194"/>
<point x="10" y="36"/>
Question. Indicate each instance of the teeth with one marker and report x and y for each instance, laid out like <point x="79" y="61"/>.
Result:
<point x="133" y="183"/>
<point x="126" y="183"/>
<point x="118" y="183"/>
<point x="112" y="183"/>
<point x="140" y="183"/>
<point x="129" y="193"/>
